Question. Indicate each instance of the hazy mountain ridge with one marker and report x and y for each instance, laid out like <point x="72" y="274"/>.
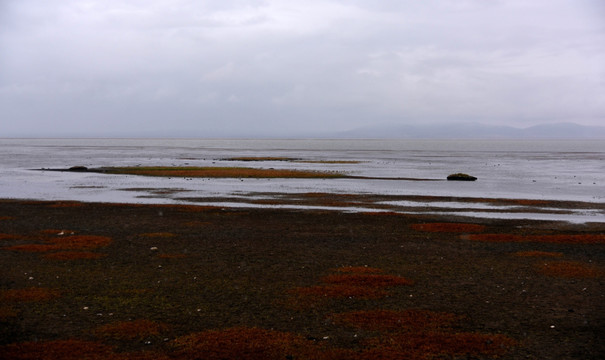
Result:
<point x="476" y="131"/>
<point x="380" y="131"/>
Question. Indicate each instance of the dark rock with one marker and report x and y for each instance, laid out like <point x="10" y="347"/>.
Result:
<point x="461" y="177"/>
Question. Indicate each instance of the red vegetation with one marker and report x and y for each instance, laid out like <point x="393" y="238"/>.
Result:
<point x="70" y="349"/>
<point x="448" y="227"/>
<point x="56" y="350"/>
<point x="366" y="280"/>
<point x="535" y="253"/>
<point x="359" y="270"/>
<point x="31" y="248"/>
<point x="341" y="291"/>
<point x="74" y="255"/>
<point x="437" y="345"/>
<point x="131" y="330"/>
<point x="79" y="242"/>
<point x="29" y="294"/>
<point x="49" y="232"/>
<point x="569" y="269"/>
<point x="353" y="282"/>
<point x="245" y="343"/>
<point x="397" y="321"/>
<point x="65" y="204"/>
<point x="158" y="235"/>
<point x="7" y="312"/>
<point x="58" y="243"/>
<point x="560" y="238"/>
<point x="172" y="256"/>
<point x="9" y="236"/>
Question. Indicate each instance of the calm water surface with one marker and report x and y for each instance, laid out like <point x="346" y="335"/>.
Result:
<point x="544" y="169"/>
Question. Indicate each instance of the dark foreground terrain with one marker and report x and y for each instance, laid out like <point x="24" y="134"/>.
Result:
<point x="108" y="281"/>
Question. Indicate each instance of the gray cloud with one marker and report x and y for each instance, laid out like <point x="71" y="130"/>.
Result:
<point x="266" y="66"/>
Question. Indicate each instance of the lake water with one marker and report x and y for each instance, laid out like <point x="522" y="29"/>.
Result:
<point x="543" y="169"/>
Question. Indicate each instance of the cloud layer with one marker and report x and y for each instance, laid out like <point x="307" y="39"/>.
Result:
<point x="285" y="66"/>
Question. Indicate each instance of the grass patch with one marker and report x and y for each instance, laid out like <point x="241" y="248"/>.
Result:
<point x="221" y="172"/>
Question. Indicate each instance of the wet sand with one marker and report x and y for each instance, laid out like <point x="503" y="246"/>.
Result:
<point x="117" y="281"/>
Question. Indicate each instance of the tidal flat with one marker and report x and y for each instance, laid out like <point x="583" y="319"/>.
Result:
<point x="133" y="281"/>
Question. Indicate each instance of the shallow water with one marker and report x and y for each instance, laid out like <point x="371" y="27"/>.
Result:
<point x="545" y="170"/>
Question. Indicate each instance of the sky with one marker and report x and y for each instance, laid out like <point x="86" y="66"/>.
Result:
<point x="266" y="67"/>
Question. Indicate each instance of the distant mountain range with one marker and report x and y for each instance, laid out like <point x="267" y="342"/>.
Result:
<point x="474" y="131"/>
<point x="380" y="131"/>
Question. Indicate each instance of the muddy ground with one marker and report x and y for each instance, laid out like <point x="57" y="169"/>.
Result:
<point x="136" y="281"/>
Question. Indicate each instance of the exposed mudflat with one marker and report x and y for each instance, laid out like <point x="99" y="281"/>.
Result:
<point x="123" y="281"/>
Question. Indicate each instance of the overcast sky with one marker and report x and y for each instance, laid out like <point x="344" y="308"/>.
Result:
<point x="266" y="67"/>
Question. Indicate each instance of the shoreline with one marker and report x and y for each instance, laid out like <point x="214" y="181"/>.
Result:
<point x="471" y="208"/>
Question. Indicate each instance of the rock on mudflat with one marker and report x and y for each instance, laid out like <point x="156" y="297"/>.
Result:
<point x="461" y="177"/>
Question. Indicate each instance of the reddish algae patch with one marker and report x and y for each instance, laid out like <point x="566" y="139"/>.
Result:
<point x="158" y="235"/>
<point x="29" y="294"/>
<point x="569" y="269"/>
<point x="352" y="282"/>
<point x="448" y="227"/>
<point x="65" y="204"/>
<point x="535" y="253"/>
<point x="70" y="349"/>
<point x="245" y="343"/>
<point x="397" y="321"/>
<point x="31" y="248"/>
<point x="340" y="291"/>
<point x="366" y="280"/>
<point x="79" y="242"/>
<point x="58" y="243"/>
<point x="558" y="239"/>
<point x="9" y="236"/>
<point x="359" y="270"/>
<point x="7" y="312"/>
<point x="172" y="256"/>
<point x="438" y="345"/>
<point x="74" y="255"/>
<point x="131" y="330"/>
